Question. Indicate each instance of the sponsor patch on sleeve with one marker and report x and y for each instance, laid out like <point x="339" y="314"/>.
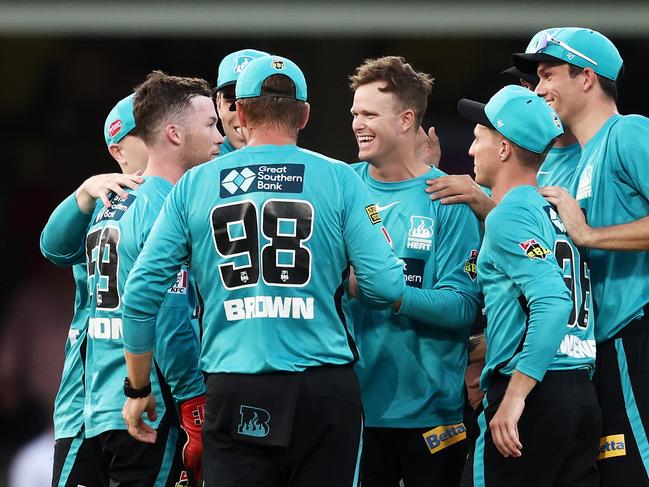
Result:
<point x="180" y="286"/>
<point x="533" y="249"/>
<point x="611" y="446"/>
<point x="444" y="436"/>
<point x="471" y="265"/>
<point x="373" y="214"/>
<point x="117" y="208"/>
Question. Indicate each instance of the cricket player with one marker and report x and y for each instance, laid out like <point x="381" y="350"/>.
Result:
<point x="541" y="420"/>
<point x="414" y="354"/>
<point x="229" y="70"/>
<point x="271" y="229"/>
<point x="62" y="243"/>
<point x="606" y="212"/>
<point x="177" y="121"/>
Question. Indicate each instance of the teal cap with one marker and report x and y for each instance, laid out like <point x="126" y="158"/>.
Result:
<point x="519" y="115"/>
<point x="231" y="66"/>
<point x="120" y="121"/>
<point x="581" y="47"/>
<point x="253" y="77"/>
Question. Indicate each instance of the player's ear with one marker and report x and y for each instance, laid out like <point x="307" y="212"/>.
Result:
<point x="243" y="120"/>
<point x="174" y="134"/>
<point x="505" y="150"/>
<point x="588" y="79"/>
<point x="407" y="119"/>
<point x="305" y="116"/>
<point x="116" y="151"/>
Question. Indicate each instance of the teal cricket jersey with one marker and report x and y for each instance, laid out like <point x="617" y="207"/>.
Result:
<point x="412" y="364"/>
<point x="62" y="243"/>
<point x="559" y="166"/>
<point x="226" y="147"/>
<point x="612" y="188"/>
<point x="537" y="291"/>
<point x="115" y="239"/>
<point x="271" y="231"/>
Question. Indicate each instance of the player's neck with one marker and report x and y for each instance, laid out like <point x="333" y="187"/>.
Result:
<point x="591" y="119"/>
<point x="164" y="167"/>
<point x="268" y="135"/>
<point x="508" y="180"/>
<point x="400" y="165"/>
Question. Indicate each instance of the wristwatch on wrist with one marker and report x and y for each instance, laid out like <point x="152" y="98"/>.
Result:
<point x="131" y="392"/>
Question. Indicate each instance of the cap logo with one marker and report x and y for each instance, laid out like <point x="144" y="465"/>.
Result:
<point x="278" y="64"/>
<point x="242" y="62"/>
<point x="500" y="123"/>
<point x="115" y="127"/>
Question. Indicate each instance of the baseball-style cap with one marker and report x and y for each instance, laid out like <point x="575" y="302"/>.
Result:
<point x="120" y="121"/>
<point x="232" y="65"/>
<point x="581" y="47"/>
<point x="252" y="78"/>
<point x="515" y="75"/>
<point x="519" y="115"/>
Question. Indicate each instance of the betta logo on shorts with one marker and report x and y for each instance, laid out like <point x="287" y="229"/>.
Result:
<point x="471" y="265"/>
<point x="115" y="127"/>
<point x="254" y="422"/>
<point x="611" y="446"/>
<point x="533" y="249"/>
<point x="444" y="436"/>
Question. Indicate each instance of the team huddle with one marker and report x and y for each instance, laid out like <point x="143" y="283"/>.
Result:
<point x="252" y="313"/>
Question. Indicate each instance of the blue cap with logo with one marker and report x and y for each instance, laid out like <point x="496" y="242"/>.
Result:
<point x="233" y="64"/>
<point x="519" y="115"/>
<point x="252" y="78"/>
<point x="120" y="121"/>
<point x="581" y="47"/>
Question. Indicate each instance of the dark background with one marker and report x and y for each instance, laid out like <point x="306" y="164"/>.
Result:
<point x="58" y="84"/>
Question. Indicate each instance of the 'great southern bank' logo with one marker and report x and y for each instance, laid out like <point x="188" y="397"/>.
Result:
<point x="254" y="422"/>
<point x="271" y="178"/>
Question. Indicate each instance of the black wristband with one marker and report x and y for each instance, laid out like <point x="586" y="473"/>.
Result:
<point x="129" y="391"/>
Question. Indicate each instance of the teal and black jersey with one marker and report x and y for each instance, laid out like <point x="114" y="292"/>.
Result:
<point x="271" y="231"/>
<point x="412" y="364"/>
<point x="115" y="238"/>
<point x="62" y="243"/>
<point x="559" y="166"/>
<point x="226" y="147"/>
<point x="612" y="188"/>
<point x="537" y="291"/>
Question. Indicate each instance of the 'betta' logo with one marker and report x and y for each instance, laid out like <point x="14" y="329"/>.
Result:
<point x="254" y="422"/>
<point x="115" y="127"/>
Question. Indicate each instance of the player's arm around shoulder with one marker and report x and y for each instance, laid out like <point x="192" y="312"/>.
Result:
<point x="461" y="188"/>
<point x="378" y="271"/>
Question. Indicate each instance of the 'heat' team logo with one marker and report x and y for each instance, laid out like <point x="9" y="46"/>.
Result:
<point x="420" y="235"/>
<point x="533" y="249"/>
<point x="242" y="62"/>
<point x="254" y="422"/>
<point x="471" y="265"/>
<point x="114" y="128"/>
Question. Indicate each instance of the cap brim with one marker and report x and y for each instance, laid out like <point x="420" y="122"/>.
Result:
<point x="528" y="62"/>
<point x="223" y="85"/>
<point x="473" y="111"/>
<point x="516" y="74"/>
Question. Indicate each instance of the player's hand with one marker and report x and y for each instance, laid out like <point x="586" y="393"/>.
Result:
<point x="504" y="426"/>
<point x="570" y="213"/>
<point x="102" y="185"/>
<point x="132" y="414"/>
<point x="451" y="190"/>
<point x="192" y="415"/>
<point x="427" y="148"/>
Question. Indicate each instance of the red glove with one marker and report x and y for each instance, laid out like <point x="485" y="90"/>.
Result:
<point x="192" y="415"/>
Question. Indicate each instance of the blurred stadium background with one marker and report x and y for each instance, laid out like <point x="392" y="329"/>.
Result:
<point x="64" y="65"/>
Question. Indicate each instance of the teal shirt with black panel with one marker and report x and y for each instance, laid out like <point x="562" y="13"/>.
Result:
<point x="114" y="241"/>
<point x="612" y="188"/>
<point x="412" y="363"/>
<point x="62" y="243"/>
<point x="271" y="231"/>
<point x="559" y="166"/>
<point x="537" y="291"/>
